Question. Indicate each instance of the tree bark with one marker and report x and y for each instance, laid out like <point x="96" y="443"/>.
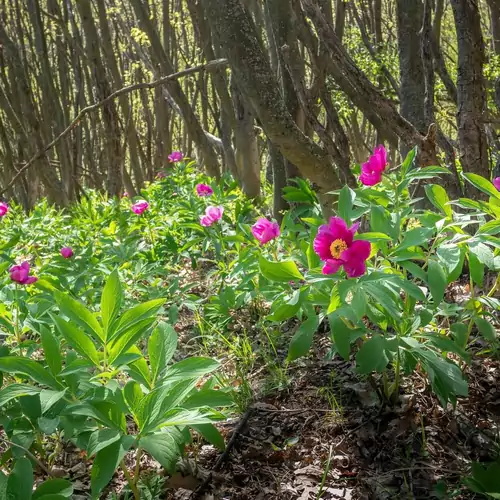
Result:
<point x="237" y="36"/>
<point x="471" y="89"/>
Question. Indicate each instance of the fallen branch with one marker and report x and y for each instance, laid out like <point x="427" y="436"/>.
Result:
<point x="201" y="488"/>
<point x="209" y="66"/>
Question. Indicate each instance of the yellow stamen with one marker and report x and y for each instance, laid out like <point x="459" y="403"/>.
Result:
<point x="337" y="247"/>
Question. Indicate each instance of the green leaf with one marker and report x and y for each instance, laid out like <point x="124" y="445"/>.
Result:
<point x="211" y="434"/>
<point x="483" y="253"/>
<point x="161" y="347"/>
<point x="415" y="237"/>
<point x="20" y="481"/>
<point x="460" y="334"/>
<point x="49" y="398"/>
<point x="476" y="269"/>
<point x="373" y="237"/>
<point x="415" y="270"/>
<point x="30" y="368"/>
<point x="380" y="222"/>
<point x="61" y="487"/>
<point x="14" y="391"/>
<point x="134" y="397"/>
<point x="408" y="162"/>
<point x="283" y="271"/>
<point x="182" y="417"/>
<point x="194" y="367"/>
<point x="128" y="338"/>
<point x="437" y="281"/>
<point x="373" y="355"/>
<point x="346" y="199"/>
<point x="302" y="340"/>
<point x="100" y="439"/>
<point x="439" y="198"/>
<point x="449" y="256"/>
<point x="78" y="313"/>
<point x="48" y="425"/>
<point x="51" y="350"/>
<point x="136" y="315"/>
<point x="207" y="398"/>
<point x="77" y="339"/>
<point x="492" y="227"/>
<point x="111" y="301"/>
<point x="342" y="335"/>
<point x="483" y="185"/>
<point x="106" y="462"/>
<point x="486" y="329"/>
<point x="165" y="447"/>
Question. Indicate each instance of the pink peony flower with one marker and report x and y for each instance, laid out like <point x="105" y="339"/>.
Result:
<point x="496" y="183"/>
<point x="20" y="274"/>
<point x="140" y="207"/>
<point x="204" y="190"/>
<point x="371" y="171"/>
<point x="66" y="252"/>
<point x="335" y="246"/>
<point x="175" y="156"/>
<point x="4" y="208"/>
<point x="212" y="214"/>
<point x="265" y="230"/>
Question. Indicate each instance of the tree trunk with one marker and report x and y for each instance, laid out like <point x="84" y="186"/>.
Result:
<point x="471" y="90"/>
<point x="237" y="36"/>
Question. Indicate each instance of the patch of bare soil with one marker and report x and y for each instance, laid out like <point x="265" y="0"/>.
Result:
<point x="330" y="415"/>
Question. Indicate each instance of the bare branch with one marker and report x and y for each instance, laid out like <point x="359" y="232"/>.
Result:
<point x="209" y="66"/>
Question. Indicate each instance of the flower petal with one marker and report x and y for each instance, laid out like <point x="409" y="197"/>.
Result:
<point x="332" y="266"/>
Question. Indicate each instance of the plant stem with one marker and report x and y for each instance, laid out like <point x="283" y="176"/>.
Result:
<point x="16" y="326"/>
<point x="137" y="465"/>
<point x="130" y="481"/>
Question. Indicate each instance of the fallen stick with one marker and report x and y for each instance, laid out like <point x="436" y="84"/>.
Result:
<point x="223" y="457"/>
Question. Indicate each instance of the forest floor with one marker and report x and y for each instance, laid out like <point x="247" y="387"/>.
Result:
<point x="318" y="430"/>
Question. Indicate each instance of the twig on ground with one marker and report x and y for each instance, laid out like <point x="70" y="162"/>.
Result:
<point x="209" y="66"/>
<point x="201" y="488"/>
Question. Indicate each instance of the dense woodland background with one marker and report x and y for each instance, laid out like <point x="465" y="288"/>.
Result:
<point x="308" y="88"/>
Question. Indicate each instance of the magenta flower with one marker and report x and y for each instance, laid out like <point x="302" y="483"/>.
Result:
<point x="66" y="252"/>
<point x="496" y="183"/>
<point x="125" y="194"/>
<point x="204" y="190"/>
<point x="264" y="230"/>
<point x="335" y="246"/>
<point x="20" y="274"/>
<point x="4" y="208"/>
<point x="140" y="207"/>
<point x="212" y="214"/>
<point x="371" y="171"/>
<point x="175" y="156"/>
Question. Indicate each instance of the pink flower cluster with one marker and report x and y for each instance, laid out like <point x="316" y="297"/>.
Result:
<point x="335" y="246"/>
<point x="265" y="230"/>
<point x="204" y="190"/>
<point x="212" y="215"/>
<point x="372" y="170"/>
<point x="4" y="208"/>
<point x="20" y="274"/>
<point x="175" y="157"/>
<point x="139" y="207"/>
